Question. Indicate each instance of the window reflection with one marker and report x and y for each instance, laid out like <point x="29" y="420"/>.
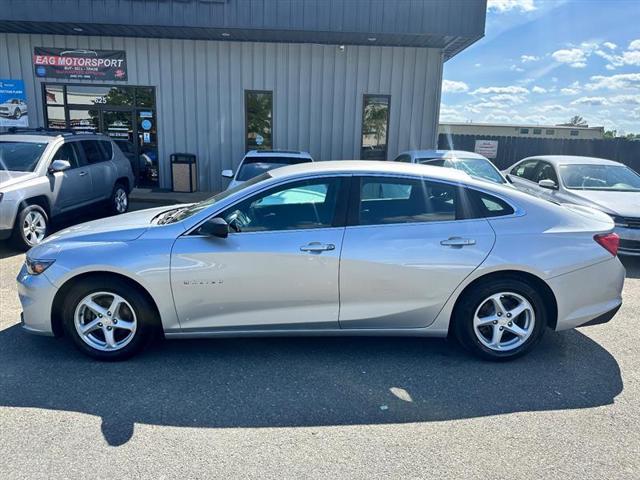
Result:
<point x="259" y="106"/>
<point x="375" y="127"/>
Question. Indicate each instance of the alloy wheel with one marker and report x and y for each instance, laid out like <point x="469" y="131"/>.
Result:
<point x="121" y="201"/>
<point x="34" y="227"/>
<point x="504" y="321"/>
<point x="105" y="321"/>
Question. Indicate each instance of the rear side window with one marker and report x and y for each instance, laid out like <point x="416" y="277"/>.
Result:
<point x="488" y="206"/>
<point x="95" y="151"/>
<point x="403" y="158"/>
<point x="397" y="200"/>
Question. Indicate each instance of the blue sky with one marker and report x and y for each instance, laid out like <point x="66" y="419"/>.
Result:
<point x="543" y="61"/>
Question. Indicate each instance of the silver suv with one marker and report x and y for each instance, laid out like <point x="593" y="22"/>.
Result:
<point x="46" y="173"/>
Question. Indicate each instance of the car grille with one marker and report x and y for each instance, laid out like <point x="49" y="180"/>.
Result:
<point x="630" y="245"/>
<point x="631" y="222"/>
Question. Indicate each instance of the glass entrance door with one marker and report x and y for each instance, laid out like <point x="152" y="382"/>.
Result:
<point x="127" y="114"/>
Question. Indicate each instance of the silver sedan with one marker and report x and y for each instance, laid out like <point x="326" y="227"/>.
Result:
<point x="331" y="248"/>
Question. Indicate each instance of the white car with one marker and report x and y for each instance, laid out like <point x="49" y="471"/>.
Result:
<point x="602" y="184"/>
<point x="330" y="248"/>
<point x="472" y="163"/>
<point x="256" y="162"/>
<point x="14" y="108"/>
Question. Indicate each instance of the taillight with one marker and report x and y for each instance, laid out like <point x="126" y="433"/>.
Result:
<point x="609" y="241"/>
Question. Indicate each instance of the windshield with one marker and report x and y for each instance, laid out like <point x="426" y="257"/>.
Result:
<point x="475" y="167"/>
<point x="254" y="166"/>
<point x="600" y="177"/>
<point x="20" y="156"/>
<point x="178" y="214"/>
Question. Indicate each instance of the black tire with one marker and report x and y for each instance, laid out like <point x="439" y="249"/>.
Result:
<point x="120" y="193"/>
<point x="146" y="317"/>
<point x="17" y="114"/>
<point x="18" y="237"/>
<point x="465" y="310"/>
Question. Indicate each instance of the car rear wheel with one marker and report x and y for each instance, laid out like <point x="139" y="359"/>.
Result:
<point x="30" y="228"/>
<point x="119" y="203"/>
<point x="500" y="319"/>
<point x="107" y="319"/>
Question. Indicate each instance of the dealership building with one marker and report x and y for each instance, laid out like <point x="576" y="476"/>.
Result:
<point x="341" y="79"/>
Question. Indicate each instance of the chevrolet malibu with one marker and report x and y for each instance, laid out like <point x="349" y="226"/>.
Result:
<point x="330" y="248"/>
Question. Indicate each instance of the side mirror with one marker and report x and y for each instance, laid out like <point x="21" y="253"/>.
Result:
<point x="227" y="173"/>
<point x="548" y="183"/>
<point x="216" y="227"/>
<point x="59" y="166"/>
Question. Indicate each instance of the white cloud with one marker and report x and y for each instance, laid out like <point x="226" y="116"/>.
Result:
<point x="507" y="5"/>
<point x="450" y="114"/>
<point x="551" y="108"/>
<point x="610" y="45"/>
<point x="528" y="58"/>
<point x="452" y="86"/>
<point x="537" y="89"/>
<point x="631" y="58"/>
<point x="510" y="89"/>
<point x="575" y="57"/>
<point x="515" y="68"/>
<point x="614" y="82"/>
<point x="478" y="65"/>
<point x="635" y="45"/>
<point x="507" y="98"/>
<point x="625" y="99"/>
<point x="569" y="91"/>
<point x="593" y="101"/>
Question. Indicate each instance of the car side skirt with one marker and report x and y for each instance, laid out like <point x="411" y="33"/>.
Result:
<point x="362" y="332"/>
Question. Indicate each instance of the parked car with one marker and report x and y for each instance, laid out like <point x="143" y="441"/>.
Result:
<point x="472" y="163"/>
<point x="14" y="108"/>
<point x="330" y="248"/>
<point x="256" y="162"/>
<point x="44" y="174"/>
<point x="128" y="149"/>
<point x="603" y="184"/>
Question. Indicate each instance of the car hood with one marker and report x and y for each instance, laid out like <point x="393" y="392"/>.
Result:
<point x="120" y="228"/>
<point x="624" y="204"/>
<point x="8" y="178"/>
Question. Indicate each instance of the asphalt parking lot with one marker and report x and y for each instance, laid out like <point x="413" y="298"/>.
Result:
<point x="320" y="407"/>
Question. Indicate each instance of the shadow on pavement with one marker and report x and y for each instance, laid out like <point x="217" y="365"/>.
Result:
<point x="290" y="382"/>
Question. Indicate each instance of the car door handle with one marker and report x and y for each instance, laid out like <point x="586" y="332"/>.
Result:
<point x="317" y="247"/>
<point x="82" y="174"/>
<point x="457" y="242"/>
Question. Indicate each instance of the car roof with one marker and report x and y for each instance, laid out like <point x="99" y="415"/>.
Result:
<point x="572" y="159"/>
<point x="280" y="153"/>
<point x="447" y="154"/>
<point x="48" y="136"/>
<point x="372" y="167"/>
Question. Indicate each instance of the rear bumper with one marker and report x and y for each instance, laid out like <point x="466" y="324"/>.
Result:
<point x="604" y="318"/>
<point x="589" y="294"/>
<point x="5" y="233"/>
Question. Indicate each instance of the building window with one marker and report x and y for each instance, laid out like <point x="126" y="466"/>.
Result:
<point x="375" y="127"/>
<point x="550" y="131"/>
<point x="574" y="133"/>
<point x="537" y="131"/>
<point x="258" y="119"/>
<point x="524" y="131"/>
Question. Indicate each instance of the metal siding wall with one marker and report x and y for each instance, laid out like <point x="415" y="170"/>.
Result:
<point x="317" y="103"/>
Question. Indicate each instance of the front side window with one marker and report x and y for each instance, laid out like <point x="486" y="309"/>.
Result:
<point x="526" y="169"/>
<point x="68" y="152"/>
<point x="546" y="172"/>
<point x="375" y="127"/>
<point x="398" y="200"/>
<point x="259" y="118"/>
<point x="20" y="156"/>
<point x="403" y="158"/>
<point x="254" y="166"/>
<point x="296" y="205"/>
<point x="600" y="177"/>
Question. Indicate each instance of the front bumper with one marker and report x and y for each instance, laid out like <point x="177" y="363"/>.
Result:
<point x="588" y="294"/>
<point x="36" y="295"/>
<point x="629" y="241"/>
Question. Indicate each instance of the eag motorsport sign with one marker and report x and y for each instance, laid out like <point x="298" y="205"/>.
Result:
<point x="80" y="64"/>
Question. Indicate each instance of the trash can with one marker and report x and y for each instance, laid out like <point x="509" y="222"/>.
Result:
<point x="184" y="173"/>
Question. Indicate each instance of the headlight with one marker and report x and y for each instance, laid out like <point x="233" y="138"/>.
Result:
<point x="36" y="267"/>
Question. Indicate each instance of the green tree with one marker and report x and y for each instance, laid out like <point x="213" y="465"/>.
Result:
<point x="575" y="121"/>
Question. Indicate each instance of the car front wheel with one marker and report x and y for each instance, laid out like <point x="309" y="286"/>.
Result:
<point x="500" y="319"/>
<point x="30" y="228"/>
<point x="107" y="319"/>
